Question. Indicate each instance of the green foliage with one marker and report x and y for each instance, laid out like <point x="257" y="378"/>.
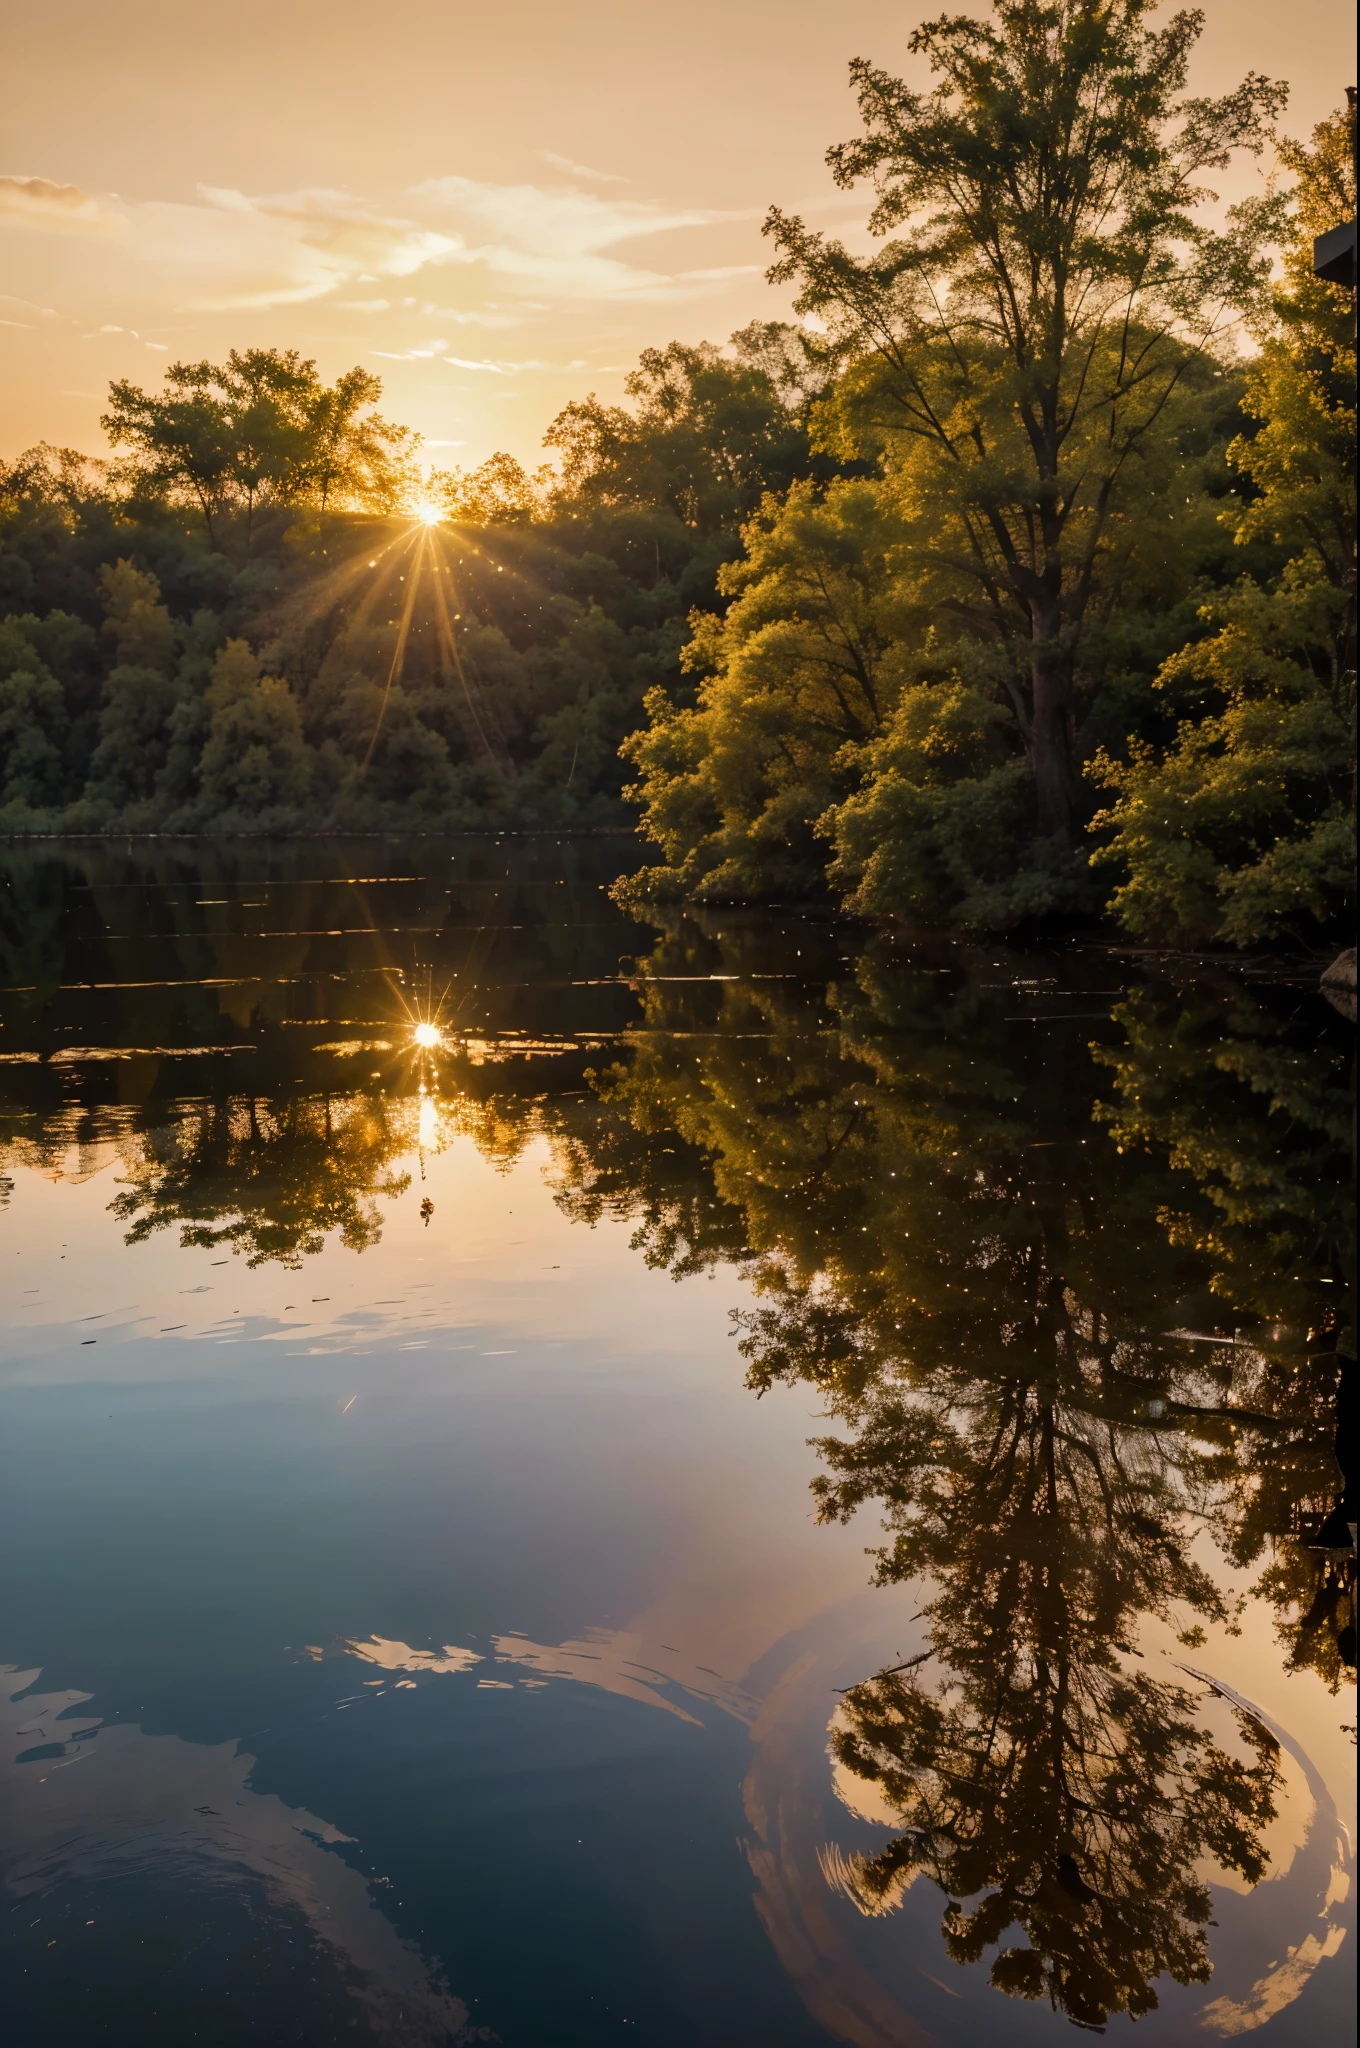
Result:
<point x="1244" y="827"/>
<point x="864" y="605"/>
<point x="1034" y="366"/>
<point x="499" y="493"/>
<point x="484" y="672"/>
<point x="260" y="428"/>
<point x="933" y="835"/>
<point x="707" y="437"/>
<point x="32" y="721"/>
<point x="1021" y="350"/>
<point x="255" y="764"/>
<point x="140" y="692"/>
<point x="801" y="678"/>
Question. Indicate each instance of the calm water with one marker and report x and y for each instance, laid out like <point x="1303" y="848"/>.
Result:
<point x="757" y="1492"/>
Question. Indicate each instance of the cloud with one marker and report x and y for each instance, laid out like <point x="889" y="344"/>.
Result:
<point x="535" y="247"/>
<point x="234" y="250"/>
<point x="556" y="240"/>
<point x="31" y="306"/>
<point x="40" y="203"/>
<point x="412" y="355"/>
<point x="720" y="272"/>
<point x="282" y="249"/>
<point x="564" y="163"/>
<point x="509" y="369"/>
<point x="143" y="1802"/>
<point x="492" y="314"/>
<point x="555" y="222"/>
<point x="503" y="368"/>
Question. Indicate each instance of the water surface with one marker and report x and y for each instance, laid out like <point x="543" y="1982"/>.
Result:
<point x="765" y="1488"/>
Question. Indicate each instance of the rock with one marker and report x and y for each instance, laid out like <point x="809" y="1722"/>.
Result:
<point x="1338" y="983"/>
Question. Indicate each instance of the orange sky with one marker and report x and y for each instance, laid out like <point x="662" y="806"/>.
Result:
<point x="494" y="208"/>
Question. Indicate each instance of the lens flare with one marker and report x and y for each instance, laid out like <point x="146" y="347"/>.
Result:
<point x="428" y="514"/>
<point x="428" y="1036"/>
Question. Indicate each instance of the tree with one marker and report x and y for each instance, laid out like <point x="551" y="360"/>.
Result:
<point x="46" y="472"/>
<point x="260" y="428"/>
<point x="268" y="1178"/>
<point x="981" y="1294"/>
<point x="356" y="460"/>
<point x="1255" y="1102"/>
<point x="500" y="492"/>
<point x="140" y="692"/>
<point x="1069" y="1795"/>
<point x="179" y="443"/>
<point x="255" y="761"/>
<point x="800" y="677"/>
<point x="1016" y="351"/>
<point x="33" y="720"/>
<point x="708" y="436"/>
<point x="1244" y="827"/>
<point x="933" y="833"/>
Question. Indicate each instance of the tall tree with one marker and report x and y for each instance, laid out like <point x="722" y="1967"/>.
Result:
<point x="708" y="433"/>
<point x="799" y="677"/>
<point x="1015" y="347"/>
<point x="1244" y="827"/>
<point x="355" y="457"/>
<point x="259" y="428"/>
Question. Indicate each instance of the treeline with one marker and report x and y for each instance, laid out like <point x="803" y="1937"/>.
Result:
<point x="1019" y="578"/>
<point x="240" y="623"/>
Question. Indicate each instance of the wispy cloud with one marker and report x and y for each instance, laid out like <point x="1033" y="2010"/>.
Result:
<point x="720" y="272"/>
<point x="41" y="203"/>
<point x="283" y="248"/>
<point x="425" y="353"/>
<point x="556" y="240"/>
<point x="502" y="368"/>
<point x="32" y="306"/>
<point x="510" y="369"/>
<point x="544" y="246"/>
<point x="564" y="163"/>
<point x="491" y="314"/>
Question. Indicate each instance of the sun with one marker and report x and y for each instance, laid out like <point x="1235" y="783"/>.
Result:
<point x="428" y="1035"/>
<point x="428" y="514"/>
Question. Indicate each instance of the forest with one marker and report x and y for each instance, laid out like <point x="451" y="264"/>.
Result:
<point x="1012" y="581"/>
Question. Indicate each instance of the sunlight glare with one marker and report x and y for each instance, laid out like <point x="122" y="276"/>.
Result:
<point x="428" y="1035"/>
<point x="428" y="514"/>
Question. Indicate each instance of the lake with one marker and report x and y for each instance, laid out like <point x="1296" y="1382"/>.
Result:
<point x="725" y="1481"/>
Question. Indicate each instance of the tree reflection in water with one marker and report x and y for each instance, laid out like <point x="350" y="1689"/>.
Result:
<point x="1038" y="1770"/>
<point x="993" y="1300"/>
<point x="270" y="1179"/>
<point x="1261" y="1117"/>
<point x="1067" y="1315"/>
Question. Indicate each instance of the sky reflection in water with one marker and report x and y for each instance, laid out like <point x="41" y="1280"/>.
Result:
<point x="417" y="1631"/>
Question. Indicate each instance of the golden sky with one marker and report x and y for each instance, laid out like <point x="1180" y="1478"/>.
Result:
<point x="495" y="208"/>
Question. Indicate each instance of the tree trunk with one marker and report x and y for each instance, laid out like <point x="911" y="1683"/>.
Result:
<point x="1052" y="730"/>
